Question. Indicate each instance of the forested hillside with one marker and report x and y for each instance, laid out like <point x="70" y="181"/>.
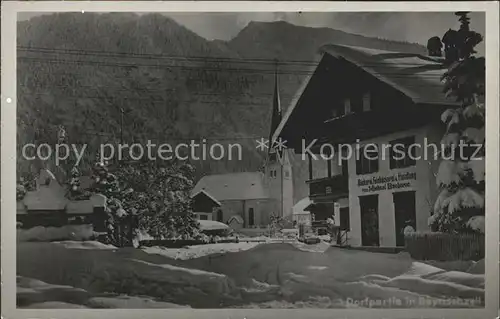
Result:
<point x="83" y="71"/>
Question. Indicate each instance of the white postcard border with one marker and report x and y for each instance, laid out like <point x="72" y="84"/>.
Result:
<point x="8" y="154"/>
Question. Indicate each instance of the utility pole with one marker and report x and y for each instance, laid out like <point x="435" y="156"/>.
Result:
<point x="121" y="125"/>
<point x="280" y="152"/>
<point x="282" y="195"/>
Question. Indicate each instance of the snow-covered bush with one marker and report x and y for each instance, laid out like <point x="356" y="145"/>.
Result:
<point x="477" y="223"/>
<point x="146" y="196"/>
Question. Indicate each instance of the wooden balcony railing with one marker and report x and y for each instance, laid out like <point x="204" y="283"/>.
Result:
<point x="330" y="186"/>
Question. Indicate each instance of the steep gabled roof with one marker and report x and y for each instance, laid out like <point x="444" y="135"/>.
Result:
<point x="233" y="186"/>
<point x="416" y="76"/>
<point x="204" y="192"/>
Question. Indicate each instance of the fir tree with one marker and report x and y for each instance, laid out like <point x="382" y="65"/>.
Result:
<point x="460" y="178"/>
<point x="107" y="184"/>
<point x="160" y="198"/>
<point x="141" y="195"/>
<point x="20" y="191"/>
<point x="74" y="188"/>
<point x="276" y="225"/>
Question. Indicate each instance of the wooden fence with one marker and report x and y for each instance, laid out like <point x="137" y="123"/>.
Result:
<point x="445" y="247"/>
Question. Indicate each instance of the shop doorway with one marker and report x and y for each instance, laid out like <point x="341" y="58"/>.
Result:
<point x="405" y="214"/>
<point x="369" y="220"/>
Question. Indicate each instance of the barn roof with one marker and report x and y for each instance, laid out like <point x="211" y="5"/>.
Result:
<point x="233" y="186"/>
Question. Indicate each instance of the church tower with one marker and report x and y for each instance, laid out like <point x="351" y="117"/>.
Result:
<point x="278" y="168"/>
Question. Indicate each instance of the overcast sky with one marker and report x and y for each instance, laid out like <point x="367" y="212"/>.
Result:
<point x="408" y="26"/>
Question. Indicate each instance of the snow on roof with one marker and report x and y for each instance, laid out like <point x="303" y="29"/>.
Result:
<point x="233" y="186"/>
<point x="236" y="218"/>
<point x="415" y="75"/>
<point x="301" y="205"/>
<point x="202" y="191"/>
<point x="212" y="225"/>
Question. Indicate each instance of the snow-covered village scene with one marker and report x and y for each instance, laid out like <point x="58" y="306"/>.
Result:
<point x="250" y="160"/>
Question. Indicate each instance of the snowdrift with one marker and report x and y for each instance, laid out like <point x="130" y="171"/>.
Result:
<point x="271" y="275"/>
<point x="198" y="251"/>
<point x="47" y="234"/>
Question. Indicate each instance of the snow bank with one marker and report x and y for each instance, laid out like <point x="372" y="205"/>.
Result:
<point x="84" y="245"/>
<point x="374" y="278"/>
<point x="457" y="265"/>
<point x="316" y="248"/>
<point x="36" y="294"/>
<point x="31" y="292"/>
<point x="257" y="286"/>
<point x="477" y="268"/>
<point x="126" y="271"/>
<point x="317" y="267"/>
<point x="358" y="291"/>
<point x="54" y="305"/>
<point x="130" y="302"/>
<point x="433" y="288"/>
<point x="190" y="271"/>
<point x="204" y="282"/>
<point x="45" y="234"/>
<point x="315" y="302"/>
<point x="462" y="278"/>
<point x="422" y="269"/>
<point x="192" y="252"/>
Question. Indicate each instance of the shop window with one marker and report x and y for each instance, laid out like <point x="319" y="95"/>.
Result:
<point x="367" y="102"/>
<point x="367" y="160"/>
<point x="401" y="154"/>
<point x="344" y="219"/>
<point x="251" y="217"/>
<point x="357" y="104"/>
<point x="347" y="106"/>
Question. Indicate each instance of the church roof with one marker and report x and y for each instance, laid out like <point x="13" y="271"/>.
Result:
<point x="233" y="186"/>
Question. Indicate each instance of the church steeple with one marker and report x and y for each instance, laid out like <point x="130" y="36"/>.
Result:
<point x="278" y="170"/>
<point x="276" y="111"/>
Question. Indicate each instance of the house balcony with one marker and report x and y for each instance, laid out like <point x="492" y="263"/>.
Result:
<point x="332" y="188"/>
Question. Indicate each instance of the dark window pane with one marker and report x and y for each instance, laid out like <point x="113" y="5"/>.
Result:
<point x="400" y="154"/>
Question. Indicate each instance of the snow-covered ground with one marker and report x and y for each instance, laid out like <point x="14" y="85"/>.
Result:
<point x="36" y="294"/>
<point x="245" y="275"/>
<point x="197" y="251"/>
<point x="70" y="244"/>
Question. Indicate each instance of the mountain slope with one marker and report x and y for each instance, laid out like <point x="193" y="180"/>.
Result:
<point x="82" y="71"/>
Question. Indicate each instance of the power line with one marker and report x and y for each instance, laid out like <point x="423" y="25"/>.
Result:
<point x="159" y="91"/>
<point x="168" y="67"/>
<point x="162" y="56"/>
<point x="269" y="61"/>
<point x="149" y="99"/>
<point x="199" y="69"/>
<point x="132" y="55"/>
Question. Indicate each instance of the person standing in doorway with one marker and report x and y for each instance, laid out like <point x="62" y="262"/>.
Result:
<point x="408" y="230"/>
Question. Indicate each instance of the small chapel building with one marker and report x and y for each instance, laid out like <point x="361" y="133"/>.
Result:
<point x="252" y="197"/>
